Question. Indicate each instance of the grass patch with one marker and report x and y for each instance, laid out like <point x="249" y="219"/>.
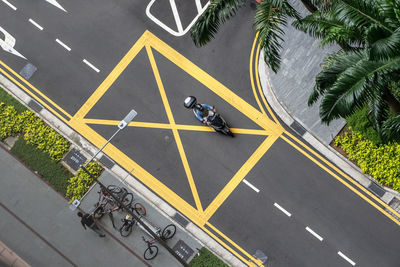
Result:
<point x="41" y="162"/>
<point x="359" y="122"/>
<point x="206" y="259"/>
<point x="11" y="101"/>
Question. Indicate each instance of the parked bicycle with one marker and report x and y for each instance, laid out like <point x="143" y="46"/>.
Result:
<point x="129" y="221"/>
<point x="107" y="204"/>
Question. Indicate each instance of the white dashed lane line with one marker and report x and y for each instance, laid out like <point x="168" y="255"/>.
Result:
<point x="346" y="258"/>
<point x="250" y="185"/>
<point x="282" y="209"/>
<point x="63" y="45"/>
<point x="91" y="65"/>
<point x="36" y="24"/>
<point x="317" y="236"/>
<point x="9" y="4"/>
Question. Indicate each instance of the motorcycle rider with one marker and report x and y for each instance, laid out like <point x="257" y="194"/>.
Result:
<point x="202" y="111"/>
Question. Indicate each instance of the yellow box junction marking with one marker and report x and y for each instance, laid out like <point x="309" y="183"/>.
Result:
<point x="149" y="42"/>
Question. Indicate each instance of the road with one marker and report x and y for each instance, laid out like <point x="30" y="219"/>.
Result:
<point x="263" y="190"/>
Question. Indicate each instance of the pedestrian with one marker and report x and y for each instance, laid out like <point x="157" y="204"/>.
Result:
<point x="88" y="220"/>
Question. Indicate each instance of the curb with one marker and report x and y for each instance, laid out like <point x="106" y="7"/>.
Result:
<point x="88" y="149"/>
<point x="331" y="154"/>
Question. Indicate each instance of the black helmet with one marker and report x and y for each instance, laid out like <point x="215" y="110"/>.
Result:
<point x="190" y="102"/>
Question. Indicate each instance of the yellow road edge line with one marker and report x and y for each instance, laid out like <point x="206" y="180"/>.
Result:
<point x="114" y="74"/>
<point x="254" y="262"/>
<point x="35" y="89"/>
<point x="140" y="173"/>
<point x="259" y="85"/>
<point x="252" y="76"/>
<point x="343" y="181"/>
<point x="39" y="100"/>
<point x="215" y="86"/>
<point x="344" y="175"/>
<point x="238" y="177"/>
<point x="175" y="132"/>
<point x="175" y="126"/>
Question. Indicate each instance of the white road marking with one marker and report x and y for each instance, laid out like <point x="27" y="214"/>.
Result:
<point x="56" y="4"/>
<point x="180" y="31"/>
<point x="314" y="234"/>
<point x="63" y="45"/>
<point x="9" y="4"/>
<point x="91" y="65"/>
<point x="8" y="43"/>
<point x="36" y="24"/>
<point x="346" y="258"/>
<point x="250" y="185"/>
<point x="282" y="209"/>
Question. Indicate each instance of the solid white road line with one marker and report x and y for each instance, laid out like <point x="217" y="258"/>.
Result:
<point x="63" y="45"/>
<point x="250" y="185"/>
<point x="317" y="236"/>
<point x="282" y="209"/>
<point x="36" y="24"/>
<point x="176" y="15"/>
<point x="9" y="4"/>
<point x="346" y="258"/>
<point x="91" y="65"/>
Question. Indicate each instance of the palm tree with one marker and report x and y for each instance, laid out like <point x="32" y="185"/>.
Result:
<point x="364" y="71"/>
<point x="271" y="16"/>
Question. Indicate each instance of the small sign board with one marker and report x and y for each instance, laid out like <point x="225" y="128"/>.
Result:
<point x="74" y="159"/>
<point x="183" y="250"/>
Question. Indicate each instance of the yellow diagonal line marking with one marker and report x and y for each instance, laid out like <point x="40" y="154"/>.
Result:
<point x="175" y="132"/>
<point x="215" y="86"/>
<point x="341" y="180"/>
<point x="140" y="173"/>
<point x="175" y="126"/>
<point x="106" y="84"/>
<point x="238" y="177"/>
<point x="36" y="90"/>
<point x="250" y="263"/>
<point x="259" y="85"/>
<point x="252" y="76"/>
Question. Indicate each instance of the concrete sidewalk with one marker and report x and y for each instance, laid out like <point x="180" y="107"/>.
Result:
<point x="38" y="225"/>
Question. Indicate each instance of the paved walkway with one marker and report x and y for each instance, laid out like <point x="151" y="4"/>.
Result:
<point x="38" y="225"/>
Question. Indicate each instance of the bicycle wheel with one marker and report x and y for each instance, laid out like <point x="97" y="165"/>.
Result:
<point x="151" y="252"/>
<point x="128" y="199"/>
<point x="126" y="229"/>
<point x="98" y="212"/>
<point x="140" y="209"/>
<point x="168" y="232"/>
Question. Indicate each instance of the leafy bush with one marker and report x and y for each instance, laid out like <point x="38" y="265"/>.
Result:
<point x="8" y="118"/>
<point x="359" y="122"/>
<point x="381" y="162"/>
<point x="40" y="161"/>
<point x="80" y="183"/>
<point x="46" y="139"/>
<point x="206" y="259"/>
<point x="8" y="100"/>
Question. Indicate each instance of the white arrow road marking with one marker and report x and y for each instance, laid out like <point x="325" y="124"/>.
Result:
<point x="56" y="4"/>
<point x="8" y="43"/>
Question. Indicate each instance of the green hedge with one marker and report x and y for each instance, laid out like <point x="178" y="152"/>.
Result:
<point x="206" y="259"/>
<point x="35" y="131"/>
<point x="80" y="183"/>
<point x="381" y="162"/>
<point x="40" y="161"/>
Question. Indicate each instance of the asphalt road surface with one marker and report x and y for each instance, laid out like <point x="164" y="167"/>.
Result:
<point x="262" y="190"/>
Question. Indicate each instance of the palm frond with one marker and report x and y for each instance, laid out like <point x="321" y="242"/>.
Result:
<point x="383" y="47"/>
<point x="207" y="25"/>
<point x="355" y="87"/>
<point x="391" y="128"/>
<point x="379" y="111"/>
<point x="270" y="17"/>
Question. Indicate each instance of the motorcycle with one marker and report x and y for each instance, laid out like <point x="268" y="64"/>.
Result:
<point x="218" y="124"/>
